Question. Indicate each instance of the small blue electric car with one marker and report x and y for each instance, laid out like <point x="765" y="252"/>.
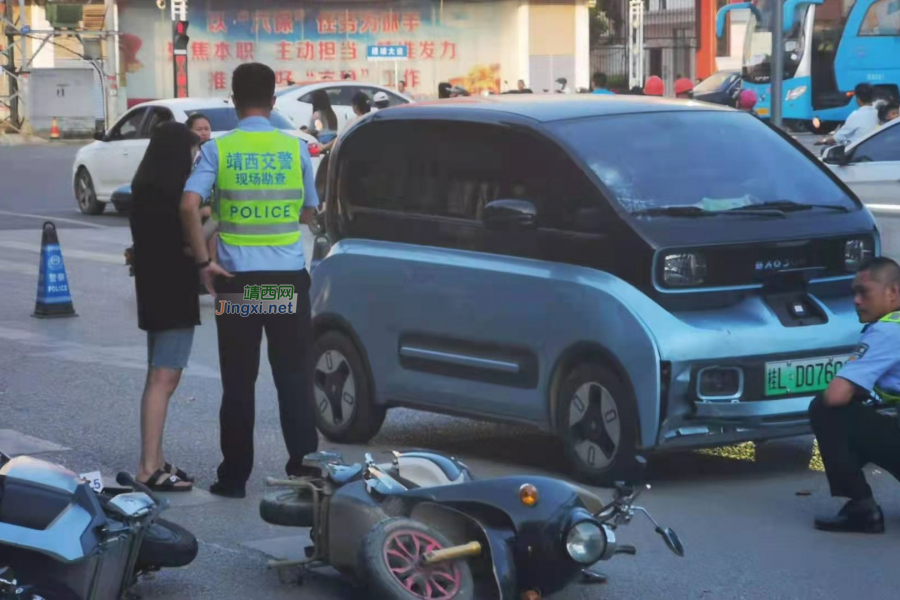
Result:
<point x="632" y="274"/>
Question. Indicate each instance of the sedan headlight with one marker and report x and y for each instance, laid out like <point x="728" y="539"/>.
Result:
<point x="684" y="268"/>
<point x="796" y="93"/>
<point x="856" y="252"/>
<point x="586" y="542"/>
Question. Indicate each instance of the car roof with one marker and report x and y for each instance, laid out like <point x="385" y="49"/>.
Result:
<point x="186" y="104"/>
<point x="544" y="108"/>
<point x="321" y="85"/>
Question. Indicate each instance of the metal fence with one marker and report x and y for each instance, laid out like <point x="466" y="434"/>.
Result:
<point x="670" y="42"/>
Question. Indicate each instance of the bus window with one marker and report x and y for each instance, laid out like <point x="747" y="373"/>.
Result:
<point x="882" y="18"/>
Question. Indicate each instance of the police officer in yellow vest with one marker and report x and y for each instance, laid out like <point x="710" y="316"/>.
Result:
<point x="851" y="431"/>
<point x="265" y="187"/>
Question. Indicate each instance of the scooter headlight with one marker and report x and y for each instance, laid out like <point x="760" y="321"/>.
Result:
<point x="586" y="542"/>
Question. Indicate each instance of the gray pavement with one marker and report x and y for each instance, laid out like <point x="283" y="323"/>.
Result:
<point x="75" y="384"/>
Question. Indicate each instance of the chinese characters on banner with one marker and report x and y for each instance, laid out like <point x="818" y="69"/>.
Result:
<point x="327" y="42"/>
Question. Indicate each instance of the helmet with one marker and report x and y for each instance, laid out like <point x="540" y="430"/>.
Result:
<point x="654" y="86"/>
<point x="747" y="99"/>
<point x="381" y="97"/>
<point x="683" y="85"/>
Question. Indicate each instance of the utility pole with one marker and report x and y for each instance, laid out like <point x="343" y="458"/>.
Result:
<point x="10" y="66"/>
<point x="777" y="70"/>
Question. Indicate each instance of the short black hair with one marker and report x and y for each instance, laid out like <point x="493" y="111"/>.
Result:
<point x="599" y="79"/>
<point x="196" y="117"/>
<point x="253" y="86"/>
<point x="361" y="101"/>
<point x="883" y="268"/>
<point x="887" y="107"/>
<point x="865" y="92"/>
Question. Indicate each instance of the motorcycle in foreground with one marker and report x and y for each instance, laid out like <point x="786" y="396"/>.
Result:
<point x="61" y="540"/>
<point x="421" y="527"/>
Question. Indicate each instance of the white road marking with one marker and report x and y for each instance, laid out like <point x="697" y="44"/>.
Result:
<point x="128" y="357"/>
<point x="14" y="267"/>
<point x="60" y="219"/>
<point x="83" y="254"/>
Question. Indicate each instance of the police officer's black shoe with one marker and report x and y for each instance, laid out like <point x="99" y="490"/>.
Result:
<point x="857" y="516"/>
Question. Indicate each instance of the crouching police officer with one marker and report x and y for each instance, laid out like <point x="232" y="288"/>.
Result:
<point x="851" y="432"/>
<point x="265" y="188"/>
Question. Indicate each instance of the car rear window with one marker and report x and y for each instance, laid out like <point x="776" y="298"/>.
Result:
<point x="225" y="119"/>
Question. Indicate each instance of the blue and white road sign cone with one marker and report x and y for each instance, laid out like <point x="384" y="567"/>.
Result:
<point x="54" y="297"/>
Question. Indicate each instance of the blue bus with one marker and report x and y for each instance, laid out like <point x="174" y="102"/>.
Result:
<point x="830" y="47"/>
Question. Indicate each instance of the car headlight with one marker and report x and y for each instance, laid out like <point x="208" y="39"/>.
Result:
<point x="586" y="542"/>
<point x="684" y="268"/>
<point x="856" y="252"/>
<point x="796" y="93"/>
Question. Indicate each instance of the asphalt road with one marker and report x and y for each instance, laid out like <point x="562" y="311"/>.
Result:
<point x="74" y="386"/>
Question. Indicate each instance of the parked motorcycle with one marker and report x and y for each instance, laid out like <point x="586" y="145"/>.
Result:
<point x="423" y="527"/>
<point x="61" y="540"/>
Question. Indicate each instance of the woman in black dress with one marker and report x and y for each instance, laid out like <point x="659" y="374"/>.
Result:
<point x="166" y="282"/>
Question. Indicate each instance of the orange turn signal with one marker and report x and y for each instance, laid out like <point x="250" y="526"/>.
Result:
<point x="528" y="494"/>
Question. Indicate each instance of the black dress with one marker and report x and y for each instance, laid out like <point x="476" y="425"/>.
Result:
<point x="166" y="279"/>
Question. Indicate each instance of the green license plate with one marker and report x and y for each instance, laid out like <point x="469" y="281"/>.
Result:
<point x="801" y="376"/>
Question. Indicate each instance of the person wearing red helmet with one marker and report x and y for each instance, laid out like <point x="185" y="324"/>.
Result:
<point x="654" y="86"/>
<point x="746" y="100"/>
<point x="684" y="88"/>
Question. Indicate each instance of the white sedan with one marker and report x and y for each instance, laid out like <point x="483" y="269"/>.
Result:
<point x="111" y="161"/>
<point x="296" y="102"/>
<point x="871" y="166"/>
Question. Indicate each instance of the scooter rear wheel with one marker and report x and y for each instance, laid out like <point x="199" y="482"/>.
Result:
<point x="289" y="508"/>
<point x="390" y="564"/>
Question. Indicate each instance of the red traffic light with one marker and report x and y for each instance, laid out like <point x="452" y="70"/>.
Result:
<point x="181" y="27"/>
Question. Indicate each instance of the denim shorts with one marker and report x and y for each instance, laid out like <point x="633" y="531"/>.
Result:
<point x="169" y="349"/>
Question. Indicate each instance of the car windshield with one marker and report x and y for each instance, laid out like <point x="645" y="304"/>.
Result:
<point x="710" y="161"/>
<point x="714" y="82"/>
<point x="225" y="118"/>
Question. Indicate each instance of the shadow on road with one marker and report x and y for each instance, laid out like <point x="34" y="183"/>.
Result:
<point x="528" y="450"/>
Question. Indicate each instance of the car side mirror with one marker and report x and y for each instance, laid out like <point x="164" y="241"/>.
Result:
<point x="100" y="136"/>
<point x="508" y="215"/>
<point x="836" y="155"/>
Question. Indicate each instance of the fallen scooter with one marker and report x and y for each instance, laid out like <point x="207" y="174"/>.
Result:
<point x="421" y="527"/>
<point x="61" y="540"/>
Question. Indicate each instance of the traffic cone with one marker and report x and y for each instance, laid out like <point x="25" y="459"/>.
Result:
<point x="54" y="130"/>
<point x="54" y="298"/>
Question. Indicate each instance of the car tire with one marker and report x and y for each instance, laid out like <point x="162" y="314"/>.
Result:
<point x="395" y="541"/>
<point x="167" y="545"/>
<point x="345" y="409"/>
<point x="596" y="416"/>
<point x="287" y="507"/>
<point x="86" y="195"/>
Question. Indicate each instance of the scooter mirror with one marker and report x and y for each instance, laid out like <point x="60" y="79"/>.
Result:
<point x="672" y="540"/>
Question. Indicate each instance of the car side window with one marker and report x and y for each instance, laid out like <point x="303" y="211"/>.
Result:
<point x="881" y="147"/>
<point x="157" y="117"/>
<point x="129" y="127"/>
<point x="453" y="170"/>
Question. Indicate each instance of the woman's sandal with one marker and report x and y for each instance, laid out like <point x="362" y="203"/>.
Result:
<point x="169" y="468"/>
<point x="169" y="483"/>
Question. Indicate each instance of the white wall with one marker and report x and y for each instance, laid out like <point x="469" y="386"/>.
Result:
<point x="738" y="32"/>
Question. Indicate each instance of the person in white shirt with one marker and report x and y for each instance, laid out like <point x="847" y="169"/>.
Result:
<point x="861" y="122"/>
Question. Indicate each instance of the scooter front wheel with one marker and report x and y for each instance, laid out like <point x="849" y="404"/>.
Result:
<point x="391" y="566"/>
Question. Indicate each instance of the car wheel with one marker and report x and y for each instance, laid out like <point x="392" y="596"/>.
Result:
<point x="85" y="194"/>
<point x="390" y="564"/>
<point x="597" y="422"/>
<point x="345" y="410"/>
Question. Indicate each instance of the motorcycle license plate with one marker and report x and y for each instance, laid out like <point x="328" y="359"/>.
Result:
<point x="801" y="376"/>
